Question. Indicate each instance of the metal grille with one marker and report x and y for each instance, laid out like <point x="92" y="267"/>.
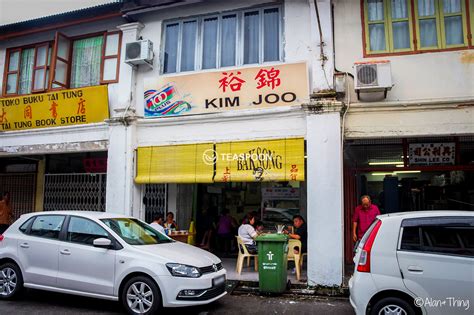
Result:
<point x="154" y="200"/>
<point x="22" y="189"/>
<point x="75" y="192"/>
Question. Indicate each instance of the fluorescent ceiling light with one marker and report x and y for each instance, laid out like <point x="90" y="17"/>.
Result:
<point x="399" y="165"/>
<point x="394" y="173"/>
<point x="387" y="163"/>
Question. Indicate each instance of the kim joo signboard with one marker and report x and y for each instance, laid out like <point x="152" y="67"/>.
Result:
<point x="234" y="89"/>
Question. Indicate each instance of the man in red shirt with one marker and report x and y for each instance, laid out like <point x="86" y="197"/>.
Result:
<point x="364" y="215"/>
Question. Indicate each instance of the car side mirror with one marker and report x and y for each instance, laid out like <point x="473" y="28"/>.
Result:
<point x="102" y="243"/>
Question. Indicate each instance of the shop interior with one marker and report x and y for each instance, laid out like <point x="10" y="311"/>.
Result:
<point x="274" y="203"/>
<point x="397" y="183"/>
<point x="410" y="174"/>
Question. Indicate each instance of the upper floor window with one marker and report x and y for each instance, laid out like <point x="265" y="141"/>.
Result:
<point x="216" y="41"/>
<point x="393" y="26"/>
<point x="62" y="63"/>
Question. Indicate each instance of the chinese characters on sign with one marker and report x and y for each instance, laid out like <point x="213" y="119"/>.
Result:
<point x="229" y="80"/>
<point x="432" y="153"/>
<point x="243" y="88"/>
<point x="60" y="108"/>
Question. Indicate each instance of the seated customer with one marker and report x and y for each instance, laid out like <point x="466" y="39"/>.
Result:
<point x="248" y="234"/>
<point x="259" y="227"/>
<point x="300" y="233"/>
<point x="170" y="222"/>
<point x="157" y="224"/>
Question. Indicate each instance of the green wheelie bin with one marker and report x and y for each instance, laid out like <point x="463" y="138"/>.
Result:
<point x="272" y="262"/>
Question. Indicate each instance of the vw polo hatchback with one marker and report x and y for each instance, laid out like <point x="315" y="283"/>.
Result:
<point x="107" y="256"/>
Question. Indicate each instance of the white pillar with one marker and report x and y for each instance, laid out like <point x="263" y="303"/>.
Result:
<point x="123" y="195"/>
<point x="325" y="203"/>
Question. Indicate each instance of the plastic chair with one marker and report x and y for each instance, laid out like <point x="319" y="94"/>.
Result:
<point x="244" y="253"/>
<point x="297" y="258"/>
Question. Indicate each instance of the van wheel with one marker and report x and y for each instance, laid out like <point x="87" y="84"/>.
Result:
<point x="141" y="295"/>
<point x="11" y="281"/>
<point x="392" y="305"/>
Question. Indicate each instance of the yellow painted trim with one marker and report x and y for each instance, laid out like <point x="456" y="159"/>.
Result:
<point x="367" y="33"/>
<point x="463" y="21"/>
<point x="407" y="19"/>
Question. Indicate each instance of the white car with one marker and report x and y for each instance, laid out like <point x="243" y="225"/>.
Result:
<point x="106" y="256"/>
<point x="415" y="263"/>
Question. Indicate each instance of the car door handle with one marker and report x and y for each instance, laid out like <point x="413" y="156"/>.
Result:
<point x="65" y="252"/>
<point x="24" y="245"/>
<point x="415" y="269"/>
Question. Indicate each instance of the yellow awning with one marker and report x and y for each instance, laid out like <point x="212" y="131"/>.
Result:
<point x="175" y="164"/>
<point x="267" y="160"/>
<point x="240" y="161"/>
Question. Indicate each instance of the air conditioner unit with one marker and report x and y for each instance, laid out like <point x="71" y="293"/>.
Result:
<point x="373" y="76"/>
<point x="139" y="52"/>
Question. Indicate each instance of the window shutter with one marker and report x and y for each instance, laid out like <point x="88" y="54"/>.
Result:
<point x="40" y="69"/>
<point x="61" y="65"/>
<point x="111" y="57"/>
<point x="12" y="71"/>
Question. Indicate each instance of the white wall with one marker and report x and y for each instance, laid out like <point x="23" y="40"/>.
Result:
<point x="90" y="137"/>
<point x="229" y="126"/>
<point x="377" y="121"/>
<point x="437" y="75"/>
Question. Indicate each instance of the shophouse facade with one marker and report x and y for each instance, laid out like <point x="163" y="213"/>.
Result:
<point x="412" y="148"/>
<point x="229" y="110"/>
<point x="60" y="77"/>
<point x="223" y="117"/>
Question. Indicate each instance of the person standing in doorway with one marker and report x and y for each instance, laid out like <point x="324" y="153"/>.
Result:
<point x="364" y="215"/>
<point x="225" y="227"/>
<point x="6" y="214"/>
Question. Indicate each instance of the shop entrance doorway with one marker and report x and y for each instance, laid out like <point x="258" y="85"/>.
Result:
<point x="413" y="174"/>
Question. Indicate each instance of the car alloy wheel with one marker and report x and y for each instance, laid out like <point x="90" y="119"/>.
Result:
<point x="141" y="296"/>
<point x="8" y="281"/>
<point x="392" y="306"/>
<point x="11" y="280"/>
<point x="392" y="310"/>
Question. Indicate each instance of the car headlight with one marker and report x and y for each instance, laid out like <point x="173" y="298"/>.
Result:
<point x="180" y="270"/>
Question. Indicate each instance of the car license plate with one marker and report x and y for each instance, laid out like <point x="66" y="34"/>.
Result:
<point x="218" y="281"/>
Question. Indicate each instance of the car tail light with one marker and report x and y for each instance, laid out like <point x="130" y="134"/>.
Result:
<point x="364" y="259"/>
<point x="1" y="237"/>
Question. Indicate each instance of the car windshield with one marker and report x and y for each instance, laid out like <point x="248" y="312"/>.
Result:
<point x="135" y="232"/>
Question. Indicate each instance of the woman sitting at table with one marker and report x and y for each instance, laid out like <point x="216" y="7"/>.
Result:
<point x="248" y="234"/>
<point x="170" y="222"/>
